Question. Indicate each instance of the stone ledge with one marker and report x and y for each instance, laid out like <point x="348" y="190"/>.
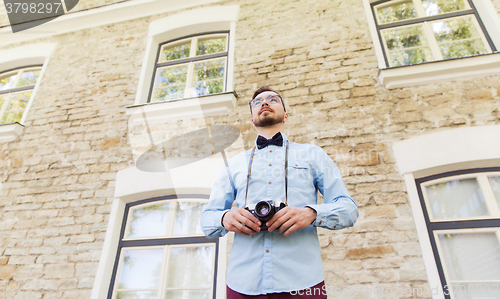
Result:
<point x="10" y="131"/>
<point x="203" y="106"/>
<point x="438" y="71"/>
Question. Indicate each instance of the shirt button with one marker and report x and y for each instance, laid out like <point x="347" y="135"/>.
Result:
<point x="296" y="164"/>
<point x="269" y="183"/>
<point x="267" y="250"/>
<point x="335" y="226"/>
<point x="270" y="151"/>
<point x="270" y="164"/>
<point x="319" y="223"/>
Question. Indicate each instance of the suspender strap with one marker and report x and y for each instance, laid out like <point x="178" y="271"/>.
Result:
<point x="286" y="174"/>
<point x="248" y="175"/>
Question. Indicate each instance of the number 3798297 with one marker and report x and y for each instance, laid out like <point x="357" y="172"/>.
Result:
<point x="33" y="8"/>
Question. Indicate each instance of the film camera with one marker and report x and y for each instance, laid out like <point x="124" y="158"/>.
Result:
<point x="265" y="210"/>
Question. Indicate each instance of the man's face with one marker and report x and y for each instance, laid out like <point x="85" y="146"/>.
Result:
<point x="268" y="114"/>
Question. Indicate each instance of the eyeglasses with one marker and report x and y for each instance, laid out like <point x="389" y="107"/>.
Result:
<point x="272" y="99"/>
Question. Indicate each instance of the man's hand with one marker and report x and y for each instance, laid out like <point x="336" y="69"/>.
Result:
<point x="291" y="219"/>
<point x="241" y="221"/>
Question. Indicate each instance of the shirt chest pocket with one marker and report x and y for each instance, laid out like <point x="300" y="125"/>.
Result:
<point x="298" y="164"/>
<point x="298" y="171"/>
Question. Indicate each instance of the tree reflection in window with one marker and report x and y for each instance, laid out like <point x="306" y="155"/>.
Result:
<point x="397" y="12"/>
<point x="154" y="220"/>
<point x="437" y="7"/>
<point x="149" y="221"/>
<point x="191" y="67"/>
<point x="411" y="34"/>
<point x="16" y="88"/>
<point x="190" y="269"/>
<point x="164" y="253"/>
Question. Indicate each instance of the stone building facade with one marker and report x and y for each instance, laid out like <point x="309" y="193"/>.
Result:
<point x="69" y="169"/>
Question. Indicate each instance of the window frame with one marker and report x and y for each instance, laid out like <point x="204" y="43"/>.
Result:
<point x="189" y="60"/>
<point x="433" y="226"/>
<point x="442" y="70"/>
<point x="19" y="71"/>
<point x="424" y="20"/>
<point x="159" y="241"/>
<point x="196" y="21"/>
<point x="438" y="152"/>
<point x="14" y="58"/>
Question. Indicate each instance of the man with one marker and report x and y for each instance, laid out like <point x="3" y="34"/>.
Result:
<point x="284" y="261"/>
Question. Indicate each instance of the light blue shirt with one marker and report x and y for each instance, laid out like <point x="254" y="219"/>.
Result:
<point x="270" y="262"/>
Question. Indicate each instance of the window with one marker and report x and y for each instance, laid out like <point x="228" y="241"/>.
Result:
<point x="427" y="41"/>
<point x="163" y="252"/>
<point x="16" y="88"/>
<point x="417" y="31"/>
<point x="451" y="177"/>
<point x="462" y="211"/>
<point x="190" y="67"/>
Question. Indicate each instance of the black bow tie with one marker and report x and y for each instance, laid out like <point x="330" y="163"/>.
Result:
<point x="277" y="140"/>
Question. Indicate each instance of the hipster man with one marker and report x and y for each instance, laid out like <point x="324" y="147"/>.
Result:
<point x="278" y="257"/>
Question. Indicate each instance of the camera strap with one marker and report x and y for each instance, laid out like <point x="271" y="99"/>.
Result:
<point x="286" y="174"/>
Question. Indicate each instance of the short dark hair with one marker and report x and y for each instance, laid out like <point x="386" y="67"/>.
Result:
<point x="264" y="89"/>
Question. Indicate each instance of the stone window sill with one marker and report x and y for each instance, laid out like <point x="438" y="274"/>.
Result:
<point x="203" y="106"/>
<point x="438" y="71"/>
<point x="10" y="131"/>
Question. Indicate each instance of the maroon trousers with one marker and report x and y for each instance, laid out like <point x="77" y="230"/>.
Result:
<point x="315" y="292"/>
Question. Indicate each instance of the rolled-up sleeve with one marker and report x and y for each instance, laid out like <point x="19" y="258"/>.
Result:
<point x="221" y="199"/>
<point x="338" y="210"/>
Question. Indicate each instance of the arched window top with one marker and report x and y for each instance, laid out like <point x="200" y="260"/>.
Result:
<point x="168" y="217"/>
<point x="33" y="54"/>
<point x="448" y="150"/>
<point x="194" y="21"/>
<point x="16" y="89"/>
<point x="21" y="69"/>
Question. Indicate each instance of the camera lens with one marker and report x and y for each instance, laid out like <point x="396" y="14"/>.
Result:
<point x="264" y="210"/>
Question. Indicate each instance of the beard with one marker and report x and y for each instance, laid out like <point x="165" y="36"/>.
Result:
<point x="268" y="120"/>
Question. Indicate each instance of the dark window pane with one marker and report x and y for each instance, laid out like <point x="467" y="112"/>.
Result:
<point x="7" y="81"/>
<point x="148" y="221"/>
<point x="396" y="12"/>
<point x="211" y="45"/>
<point x="404" y="37"/>
<point x="140" y="269"/>
<point x="456" y="199"/>
<point x="407" y="57"/>
<point x="407" y="45"/>
<point x="437" y="7"/>
<point x="458" y="37"/>
<point x="190" y="267"/>
<point x="28" y="78"/>
<point x="462" y="49"/>
<point x="15" y="107"/>
<point x="176" y="51"/>
<point x="170" y="83"/>
<point x="208" y="77"/>
<point x="471" y="256"/>
<point x="455" y="29"/>
<point x="187" y="218"/>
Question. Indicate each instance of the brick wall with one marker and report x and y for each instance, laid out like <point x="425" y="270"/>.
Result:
<point x="58" y="177"/>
